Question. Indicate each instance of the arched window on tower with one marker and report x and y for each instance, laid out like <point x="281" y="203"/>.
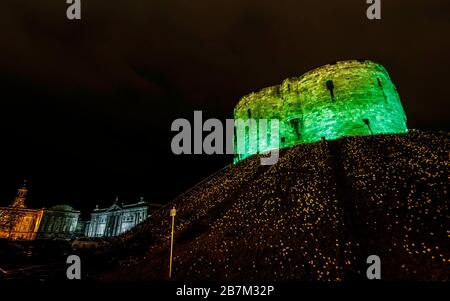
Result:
<point x="330" y="87"/>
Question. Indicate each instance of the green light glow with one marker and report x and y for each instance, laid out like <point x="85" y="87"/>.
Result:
<point x="348" y="98"/>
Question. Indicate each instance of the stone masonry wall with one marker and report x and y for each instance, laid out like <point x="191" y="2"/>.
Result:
<point x="347" y="98"/>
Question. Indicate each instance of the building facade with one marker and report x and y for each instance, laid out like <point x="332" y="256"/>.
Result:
<point x="118" y="218"/>
<point x="17" y="222"/>
<point x="80" y="228"/>
<point x="58" y="222"/>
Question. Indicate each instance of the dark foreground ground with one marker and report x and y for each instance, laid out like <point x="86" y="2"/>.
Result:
<point x="36" y="261"/>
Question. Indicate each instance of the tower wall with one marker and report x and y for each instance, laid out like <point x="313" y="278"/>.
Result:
<point x="347" y="98"/>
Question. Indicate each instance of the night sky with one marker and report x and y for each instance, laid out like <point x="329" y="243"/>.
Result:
<point x="86" y="106"/>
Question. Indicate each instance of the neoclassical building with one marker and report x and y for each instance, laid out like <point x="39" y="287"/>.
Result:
<point x="118" y="218"/>
<point x="59" y="222"/>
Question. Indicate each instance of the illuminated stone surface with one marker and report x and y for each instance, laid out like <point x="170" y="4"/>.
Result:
<point x="332" y="101"/>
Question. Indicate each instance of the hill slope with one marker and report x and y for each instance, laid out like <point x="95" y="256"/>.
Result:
<point x="315" y="215"/>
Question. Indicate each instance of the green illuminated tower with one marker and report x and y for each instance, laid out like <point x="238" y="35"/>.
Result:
<point x="348" y="98"/>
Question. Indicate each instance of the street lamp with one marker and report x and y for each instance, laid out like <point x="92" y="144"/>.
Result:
<point x="173" y="212"/>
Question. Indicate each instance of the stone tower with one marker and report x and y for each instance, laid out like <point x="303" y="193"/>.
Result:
<point x="346" y="98"/>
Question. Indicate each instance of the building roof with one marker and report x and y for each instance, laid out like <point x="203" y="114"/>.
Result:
<point x="63" y="207"/>
<point x="119" y="206"/>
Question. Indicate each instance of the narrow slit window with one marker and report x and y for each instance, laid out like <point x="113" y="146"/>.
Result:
<point x="330" y="87"/>
<point x="380" y="84"/>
